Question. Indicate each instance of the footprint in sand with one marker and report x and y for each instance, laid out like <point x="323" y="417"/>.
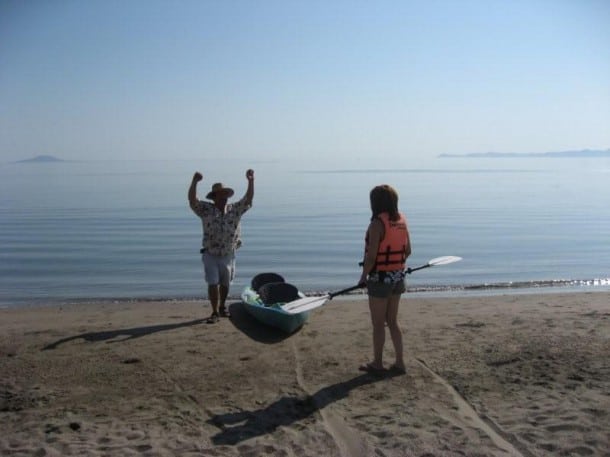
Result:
<point x="131" y="360"/>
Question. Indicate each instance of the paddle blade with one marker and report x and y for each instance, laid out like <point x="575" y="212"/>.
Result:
<point x="304" y="304"/>
<point x="444" y="260"/>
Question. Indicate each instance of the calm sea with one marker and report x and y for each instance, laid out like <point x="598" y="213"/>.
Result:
<point x="123" y="230"/>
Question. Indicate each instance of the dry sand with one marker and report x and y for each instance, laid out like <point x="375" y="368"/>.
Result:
<point x="487" y="376"/>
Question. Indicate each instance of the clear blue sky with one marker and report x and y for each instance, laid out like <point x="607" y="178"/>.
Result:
<point x="269" y="79"/>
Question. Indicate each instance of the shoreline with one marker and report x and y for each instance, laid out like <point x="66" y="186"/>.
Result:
<point x="519" y="374"/>
<point x="546" y="287"/>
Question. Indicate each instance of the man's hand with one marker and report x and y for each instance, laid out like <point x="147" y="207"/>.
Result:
<point x="250" y="175"/>
<point x="197" y="177"/>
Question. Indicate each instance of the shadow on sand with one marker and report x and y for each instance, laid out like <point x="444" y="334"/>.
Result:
<point x="239" y="317"/>
<point x="243" y="425"/>
<point x="127" y="333"/>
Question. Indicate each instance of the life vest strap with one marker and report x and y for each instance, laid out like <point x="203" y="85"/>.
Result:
<point x="383" y="258"/>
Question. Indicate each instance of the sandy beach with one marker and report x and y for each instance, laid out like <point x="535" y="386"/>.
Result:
<point x="504" y="375"/>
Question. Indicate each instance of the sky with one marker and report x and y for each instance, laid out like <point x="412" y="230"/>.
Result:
<point x="404" y="80"/>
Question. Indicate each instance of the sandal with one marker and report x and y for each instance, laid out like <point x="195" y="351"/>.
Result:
<point x="212" y="319"/>
<point x="224" y="312"/>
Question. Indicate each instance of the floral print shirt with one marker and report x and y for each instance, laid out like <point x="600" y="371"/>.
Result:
<point x="221" y="232"/>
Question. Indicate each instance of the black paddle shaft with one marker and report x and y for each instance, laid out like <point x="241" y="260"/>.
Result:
<point x="349" y="289"/>
<point x="344" y="291"/>
<point x="408" y="271"/>
<point x="360" y="286"/>
<point x="411" y="270"/>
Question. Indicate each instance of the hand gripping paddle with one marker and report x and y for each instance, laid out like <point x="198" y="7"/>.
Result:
<point x="308" y="303"/>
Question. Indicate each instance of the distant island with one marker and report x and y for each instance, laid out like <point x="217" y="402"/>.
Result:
<point x="41" y="158"/>
<point x="561" y="154"/>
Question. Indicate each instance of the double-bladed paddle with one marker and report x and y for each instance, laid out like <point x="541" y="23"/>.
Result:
<point x="308" y="303"/>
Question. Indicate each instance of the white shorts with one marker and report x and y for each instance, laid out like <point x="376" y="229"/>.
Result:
<point x="218" y="269"/>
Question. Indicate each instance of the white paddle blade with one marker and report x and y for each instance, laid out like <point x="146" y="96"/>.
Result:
<point x="304" y="304"/>
<point x="444" y="260"/>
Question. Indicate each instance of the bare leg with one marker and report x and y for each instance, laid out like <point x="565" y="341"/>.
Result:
<point x="224" y="292"/>
<point x="213" y="296"/>
<point x="378" y="308"/>
<point x="395" y="332"/>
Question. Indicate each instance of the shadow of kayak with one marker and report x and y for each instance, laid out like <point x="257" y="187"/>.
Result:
<point x="253" y="329"/>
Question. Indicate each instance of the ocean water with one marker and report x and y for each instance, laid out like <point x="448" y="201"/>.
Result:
<point x="120" y="230"/>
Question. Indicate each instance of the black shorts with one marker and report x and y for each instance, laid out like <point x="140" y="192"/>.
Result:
<point x="385" y="284"/>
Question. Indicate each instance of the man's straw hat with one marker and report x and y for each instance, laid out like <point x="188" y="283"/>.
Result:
<point x="217" y="189"/>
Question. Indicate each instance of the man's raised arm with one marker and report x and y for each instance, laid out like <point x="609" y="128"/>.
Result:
<point x="250" y="191"/>
<point x="193" y="189"/>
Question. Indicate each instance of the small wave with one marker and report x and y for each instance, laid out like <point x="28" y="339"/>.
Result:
<point x="574" y="283"/>
<point x="491" y="287"/>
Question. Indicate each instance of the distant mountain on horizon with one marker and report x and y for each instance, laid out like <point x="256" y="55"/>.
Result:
<point x="560" y="154"/>
<point x="41" y="159"/>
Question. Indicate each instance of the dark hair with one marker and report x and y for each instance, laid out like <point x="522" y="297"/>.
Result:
<point x="384" y="199"/>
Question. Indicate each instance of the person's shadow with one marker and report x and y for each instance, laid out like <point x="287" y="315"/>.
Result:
<point x="127" y="333"/>
<point x="243" y="425"/>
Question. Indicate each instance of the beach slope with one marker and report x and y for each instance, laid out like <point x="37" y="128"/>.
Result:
<point x="486" y="376"/>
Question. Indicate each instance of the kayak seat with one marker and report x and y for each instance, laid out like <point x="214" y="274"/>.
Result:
<point x="278" y="292"/>
<point x="264" y="278"/>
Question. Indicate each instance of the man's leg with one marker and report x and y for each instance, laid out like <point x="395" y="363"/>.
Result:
<point x="211" y="277"/>
<point x="223" y="292"/>
<point x="213" y="295"/>
<point x="226" y="275"/>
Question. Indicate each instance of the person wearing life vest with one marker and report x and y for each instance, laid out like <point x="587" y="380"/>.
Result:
<point x="387" y="247"/>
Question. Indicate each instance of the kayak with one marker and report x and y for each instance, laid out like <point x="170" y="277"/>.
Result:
<point x="264" y="298"/>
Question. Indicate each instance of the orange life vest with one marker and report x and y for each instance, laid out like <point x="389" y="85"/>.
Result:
<point x="391" y="253"/>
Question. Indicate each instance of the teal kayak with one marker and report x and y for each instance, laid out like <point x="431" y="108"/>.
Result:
<point x="264" y="298"/>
